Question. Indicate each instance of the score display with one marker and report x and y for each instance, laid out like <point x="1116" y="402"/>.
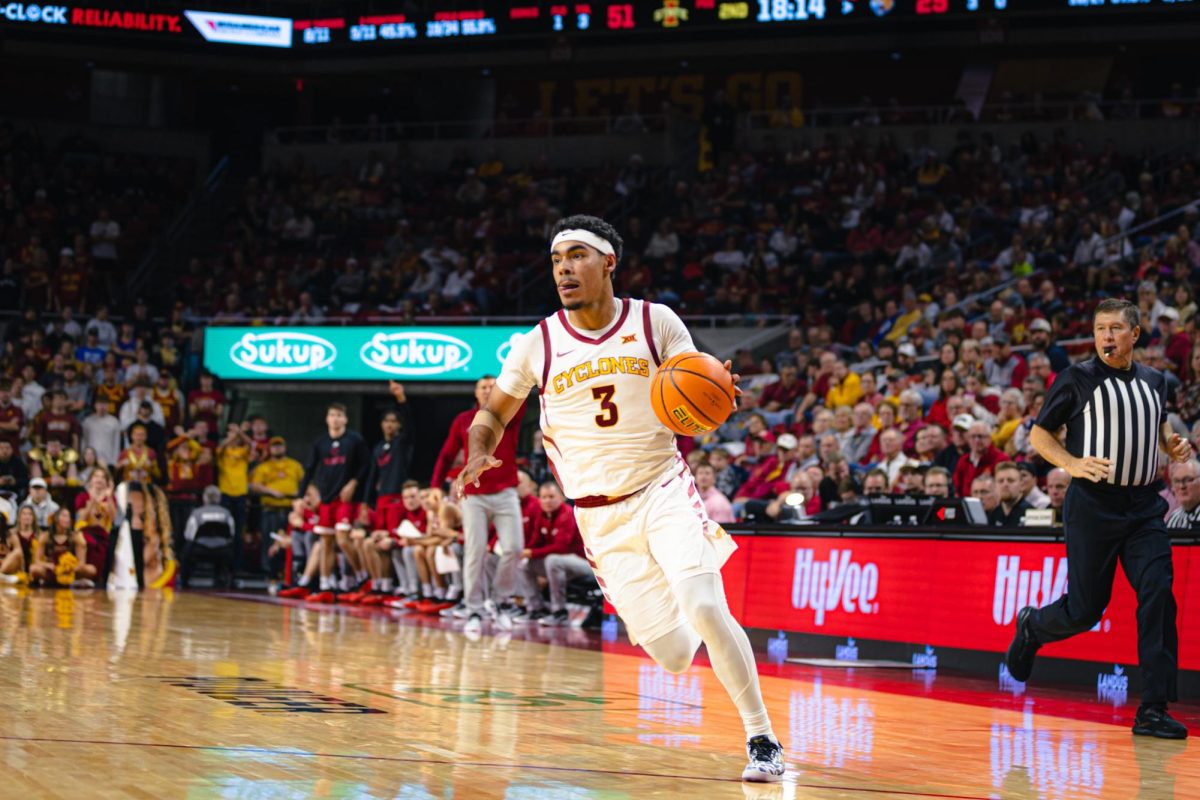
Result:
<point x="432" y="24"/>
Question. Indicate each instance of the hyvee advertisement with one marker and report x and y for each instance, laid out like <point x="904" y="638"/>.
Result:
<point x="940" y="593"/>
<point x="357" y="353"/>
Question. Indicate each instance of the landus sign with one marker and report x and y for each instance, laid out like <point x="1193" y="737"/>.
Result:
<point x="357" y="353"/>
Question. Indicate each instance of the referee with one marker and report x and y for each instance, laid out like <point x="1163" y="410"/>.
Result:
<point x="1115" y="414"/>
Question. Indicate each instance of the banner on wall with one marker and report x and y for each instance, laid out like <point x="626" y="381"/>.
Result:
<point x="955" y="594"/>
<point x="357" y="353"/>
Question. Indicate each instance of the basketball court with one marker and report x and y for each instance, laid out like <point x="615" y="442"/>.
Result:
<point x="194" y="695"/>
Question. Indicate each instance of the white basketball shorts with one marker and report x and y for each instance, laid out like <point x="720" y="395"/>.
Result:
<point x="642" y="547"/>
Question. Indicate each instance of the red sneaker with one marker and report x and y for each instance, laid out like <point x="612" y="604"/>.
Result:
<point x="373" y="599"/>
<point x="296" y="592"/>
<point x="352" y="597"/>
<point x="323" y="597"/>
<point x="414" y="604"/>
<point x="434" y="606"/>
<point x="395" y="602"/>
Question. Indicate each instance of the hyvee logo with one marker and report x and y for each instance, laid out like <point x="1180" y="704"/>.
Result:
<point x="1017" y="588"/>
<point x="824" y="585"/>
<point x="415" y="353"/>
<point x="282" y="353"/>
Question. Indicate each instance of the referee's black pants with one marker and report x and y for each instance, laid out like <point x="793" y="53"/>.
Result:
<point x="1101" y="526"/>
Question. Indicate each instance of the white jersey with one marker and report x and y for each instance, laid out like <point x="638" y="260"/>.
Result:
<point x="600" y="433"/>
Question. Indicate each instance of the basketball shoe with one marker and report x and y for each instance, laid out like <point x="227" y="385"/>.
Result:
<point x="766" y="760"/>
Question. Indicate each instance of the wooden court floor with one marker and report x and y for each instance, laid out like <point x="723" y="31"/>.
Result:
<point x="168" y="695"/>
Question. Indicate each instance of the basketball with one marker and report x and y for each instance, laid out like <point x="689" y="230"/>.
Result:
<point x="692" y="393"/>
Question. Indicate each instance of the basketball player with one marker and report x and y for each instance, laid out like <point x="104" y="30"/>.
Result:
<point x="1115" y="414"/>
<point x="337" y="467"/>
<point x="654" y="551"/>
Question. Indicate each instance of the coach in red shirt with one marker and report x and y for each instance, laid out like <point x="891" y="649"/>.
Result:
<point x="981" y="458"/>
<point x="552" y="533"/>
<point x="494" y="501"/>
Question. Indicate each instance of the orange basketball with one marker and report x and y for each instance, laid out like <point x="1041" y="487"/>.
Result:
<point x="692" y="393"/>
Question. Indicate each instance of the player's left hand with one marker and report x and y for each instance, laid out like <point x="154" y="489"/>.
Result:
<point x="737" y="392"/>
<point x="1179" y="449"/>
<point x="397" y="391"/>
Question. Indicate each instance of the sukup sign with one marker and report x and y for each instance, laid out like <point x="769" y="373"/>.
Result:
<point x="357" y="353"/>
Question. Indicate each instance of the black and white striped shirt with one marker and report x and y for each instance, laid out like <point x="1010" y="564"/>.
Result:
<point x="1184" y="519"/>
<point x="1113" y="414"/>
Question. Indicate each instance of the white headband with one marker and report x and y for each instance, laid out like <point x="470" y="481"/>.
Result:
<point x="587" y="237"/>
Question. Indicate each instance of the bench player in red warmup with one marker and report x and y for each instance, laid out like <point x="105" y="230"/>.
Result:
<point x="657" y="557"/>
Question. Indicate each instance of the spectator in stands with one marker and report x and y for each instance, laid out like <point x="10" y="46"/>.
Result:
<point x="983" y="488"/>
<point x="102" y="432"/>
<point x="156" y="435"/>
<point x="106" y="332"/>
<point x="1176" y="344"/>
<point x="12" y="418"/>
<point x="980" y="459"/>
<point x="1030" y="492"/>
<point x="875" y="483"/>
<point x="1185" y="485"/>
<point x="768" y="478"/>
<point x="1057" y="481"/>
<point x="1041" y="341"/>
<point x="1004" y="368"/>
<point x="716" y="505"/>
<point x="729" y="475"/>
<point x="39" y="499"/>
<point x="14" y="476"/>
<point x="1010" y="510"/>
<point x="931" y="443"/>
<point x="166" y="395"/>
<point x="57" y="424"/>
<point x="891" y="454"/>
<point x="783" y="393"/>
<point x="911" y="419"/>
<point x="131" y="408"/>
<point x="1012" y="411"/>
<point x="856" y="442"/>
<point x="104" y="234"/>
<point x="937" y="482"/>
<point x="90" y="352"/>
<point x="206" y="403"/>
<point x="276" y="482"/>
<point x="137" y="463"/>
<point x="233" y="479"/>
<point x="796" y="501"/>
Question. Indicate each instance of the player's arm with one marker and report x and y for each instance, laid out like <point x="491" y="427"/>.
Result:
<point x="485" y="433"/>
<point x="1048" y="447"/>
<point x="672" y="338"/>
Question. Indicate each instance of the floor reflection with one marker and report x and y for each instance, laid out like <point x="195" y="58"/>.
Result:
<point x="111" y="684"/>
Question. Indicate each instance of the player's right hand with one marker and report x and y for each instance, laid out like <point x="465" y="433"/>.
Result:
<point x="471" y="472"/>
<point x="1091" y="468"/>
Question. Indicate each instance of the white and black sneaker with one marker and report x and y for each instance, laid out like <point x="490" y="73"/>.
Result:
<point x="504" y="616"/>
<point x="555" y="619"/>
<point x="474" y="625"/>
<point x="451" y="612"/>
<point x="766" y="760"/>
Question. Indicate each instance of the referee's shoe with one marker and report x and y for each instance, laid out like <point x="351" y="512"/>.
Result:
<point x="1152" y="719"/>
<point x="1024" y="647"/>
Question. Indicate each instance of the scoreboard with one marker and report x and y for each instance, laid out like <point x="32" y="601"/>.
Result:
<point x="441" y="24"/>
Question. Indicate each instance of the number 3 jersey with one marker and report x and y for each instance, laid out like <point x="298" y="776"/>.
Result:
<point x="600" y="433"/>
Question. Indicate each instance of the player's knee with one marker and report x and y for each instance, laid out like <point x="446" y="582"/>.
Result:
<point x="705" y="614"/>
<point x="674" y="662"/>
